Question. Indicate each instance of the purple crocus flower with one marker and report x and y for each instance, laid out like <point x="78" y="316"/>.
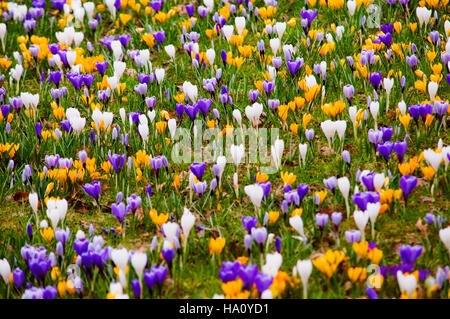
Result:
<point x="200" y="187"/>
<point x="229" y="270"/>
<point x="248" y="241"/>
<point x="353" y="236"/>
<point x="273" y="103"/>
<point x="5" y="109"/>
<point x="266" y="188"/>
<point x="362" y="199"/>
<point x="58" y="4"/>
<point x="158" y="162"/>
<point x="27" y="173"/>
<point x="136" y="288"/>
<point x="346" y="156"/>
<point x="156" y="5"/>
<point x="101" y="67"/>
<point x="294" y="65"/>
<point x="385" y="149"/>
<point x="30" y="230"/>
<point x="386" y="39"/>
<point x="262" y="282"/>
<point x="253" y="95"/>
<point x="54" y="48"/>
<point x="168" y="255"/>
<point x="440" y="108"/>
<point x="29" y="25"/>
<point x="412" y="61"/>
<point x="309" y="15"/>
<point x="150" y="102"/>
<point x="387" y="28"/>
<point x="349" y="91"/>
<point x="39" y="266"/>
<point x="321" y="220"/>
<point x="119" y="211"/>
<point x="330" y="183"/>
<point x="309" y="134"/>
<point x="367" y="180"/>
<point x="18" y="277"/>
<point x="409" y="255"/>
<point x="16" y="102"/>
<point x="407" y="184"/>
<point x="88" y="79"/>
<point x="55" y="77"/>
<point x="375" y="137"/>
<point x="161" y="273"/>
<point x="198" y="169"/>
<point x="133" y="202"/>
<point x="387" y="133"/>
<point x="62" y="235"/>
<point x="141" y="89"/>
<point x="150" y="279"/>
<point x="247" y="275"/>
<point x="190" y="9"/>
<point x="302" y="190"/>
<point x="223" y="55"/>
<point x="93" y="24"/>
<point x="124" y="39"/>
<point x="277" y="62"/>
<point x="93" y="189"/>
<point x="372" y="293"/>
<point x="400" y="149"/>
<point x="336" y="218"/>
<point x="143" y="78"/>
<point x="434" y="36"/>
<point x="160" y="36"/>
<point x="375" y="79"/>
<point x="191" y="110"/>
<point x="39" y="130"/>
<point x="76" y="79"/>
<point x="249" y="222"/>
<point x="268" y="87"/>
<point x="259" y="235"/>
<point x="204" y="105"/>
<point x="117" y="161"/>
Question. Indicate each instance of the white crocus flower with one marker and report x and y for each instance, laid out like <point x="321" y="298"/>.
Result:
<point x="304" y="269"/>
<point x="187" y="222"/>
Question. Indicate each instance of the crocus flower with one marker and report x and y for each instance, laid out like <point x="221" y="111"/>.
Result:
<point x="249" y="222"/>
<point x="361" y="199"/>
<point x="200" y="187"/>
<point x="385" y="149"/>
<point x="353" y="236"/>
<point x="407" y="184"/>
<point x="400" y="149"/>
<point x="18" y="277"/>
<point x="262" y="282"/>
<point x="330" y="183"/>
<point x="375" y="79"/>
<point x="136" y="287"/>
<point x="198" y="169"/>
<point x="117" y="161"/>
<point x="259" y="235"/>
<point x="133" y="202"/>
<point x="119" y="211"/>
<point x="409" y="255"/>
<point x="321" y="220"/>
<point x="349" y="91"/>
<point x="336" y="218"/>
<point x="93" y="189"/>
